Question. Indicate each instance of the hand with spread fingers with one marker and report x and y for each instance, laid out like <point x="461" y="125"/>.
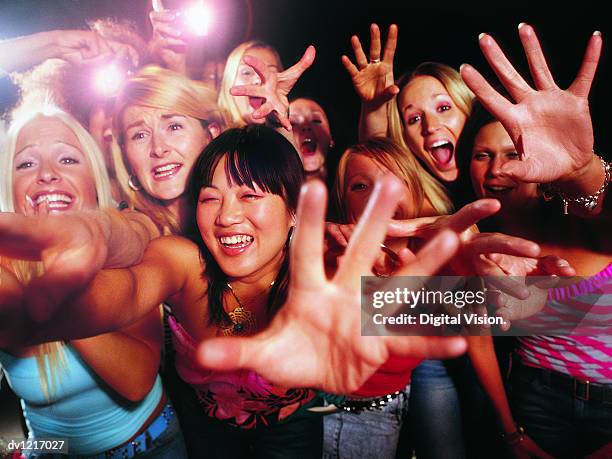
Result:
<point x="550" y="127"/>
<point x="274" y="88"/>
<point x="96" y="240"/>
<point x="318" y="329"/>
<point x="373" y="78"/>
<point x="373" y="81"/>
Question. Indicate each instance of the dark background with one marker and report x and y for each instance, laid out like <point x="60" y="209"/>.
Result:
<point x="444" y="32"/>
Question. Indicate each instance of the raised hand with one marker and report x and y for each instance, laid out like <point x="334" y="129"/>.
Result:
<point x="550" y="127"/>
<point x="167" y="42"/>
<point x="373" y="79"/>
<point x="314" y="340"/>
<point x="275" y="87"/>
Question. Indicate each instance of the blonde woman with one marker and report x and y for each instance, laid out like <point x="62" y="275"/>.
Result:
<point x="161" y="122"/>
<point x="78" y="390"/>
<point x="254" y="87"/>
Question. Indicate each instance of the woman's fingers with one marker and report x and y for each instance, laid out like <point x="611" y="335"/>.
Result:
<point x="494" y="102"/>
<point x="427" y="347"/>
<point x="360" y="57"/>
<point x="364" y="246"/>
<point x="390" y="45"/>
<point x="538" y="67"/>
<point x="582" y="83"/>
<point x="307" y="269"/>
<point x="290" y="76"/>
<point x="505" y="71"/>
<point x="433" y="256"/>
<point x="471" y="214"/>
<point x="499" y="244"/>
<point x="375" y="45"/>
<point x="349" y="66"/>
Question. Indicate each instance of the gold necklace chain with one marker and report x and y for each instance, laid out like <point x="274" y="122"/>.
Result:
<point x="243" y="320"/>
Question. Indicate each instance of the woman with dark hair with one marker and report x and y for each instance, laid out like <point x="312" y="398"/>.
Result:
<point x="232" y="280"/>
<point x="561" y="385"/>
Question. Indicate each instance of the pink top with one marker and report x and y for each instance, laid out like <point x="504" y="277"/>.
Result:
<point x="586" y="353"/>
<point x="242" y="398"/>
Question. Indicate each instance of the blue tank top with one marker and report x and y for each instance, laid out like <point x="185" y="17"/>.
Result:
<point x="82" y="409"/>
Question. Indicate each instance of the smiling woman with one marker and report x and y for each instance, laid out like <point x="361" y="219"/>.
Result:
<point x="51" y="170"/>
<point x="70" y="389"/>
<point x="162" y="121"/>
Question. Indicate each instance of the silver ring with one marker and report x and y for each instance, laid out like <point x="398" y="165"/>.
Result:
<point x="374" y="61"/>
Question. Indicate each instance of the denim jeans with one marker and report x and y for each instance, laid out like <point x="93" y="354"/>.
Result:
<point x="560" y="423"/>
<point x="435" y="413"/>
<point x="368" y="434"/>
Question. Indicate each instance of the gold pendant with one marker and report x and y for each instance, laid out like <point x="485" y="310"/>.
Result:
<point x="243" y="323"/>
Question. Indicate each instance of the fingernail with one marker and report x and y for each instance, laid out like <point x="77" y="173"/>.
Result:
<point x="562" y="264"/>
<point x="461" y="67"/>
<point x="521" y="25"/>
<point x="597" y="32"/>
<point x="481" y="36"/>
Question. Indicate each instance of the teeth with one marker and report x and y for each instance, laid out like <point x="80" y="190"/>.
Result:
<point x="165" y="170"/>
<point x="238" y="239"/>
<point x="439" y="143"/>
<point x="50" y="198"/>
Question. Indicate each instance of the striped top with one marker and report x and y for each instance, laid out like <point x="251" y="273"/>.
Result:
<point x="586" y="352"/>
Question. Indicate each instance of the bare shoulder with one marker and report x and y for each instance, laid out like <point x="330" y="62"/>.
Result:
<point x="176" y="253"/>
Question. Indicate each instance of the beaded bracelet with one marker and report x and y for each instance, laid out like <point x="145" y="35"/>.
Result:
<point x="588" y="202"/>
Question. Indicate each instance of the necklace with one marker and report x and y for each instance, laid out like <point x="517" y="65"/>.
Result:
<point x="243" y="320"/>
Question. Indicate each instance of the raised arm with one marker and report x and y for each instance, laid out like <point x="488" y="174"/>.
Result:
<point x="550" y="127"/>
<point x="275" y="88"/>
<point x="315" y="339"/>
<point x="74" y="46"/>
<point x="373" y="81"/>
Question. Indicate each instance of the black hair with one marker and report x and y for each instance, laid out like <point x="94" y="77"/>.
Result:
<point x="256" y="155"/>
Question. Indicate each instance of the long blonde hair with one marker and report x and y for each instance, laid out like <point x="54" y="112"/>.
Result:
<point x="392" y="157"/>
<point x="462" y="97"/>
<point x="226" y="101"/>
<point x="163" y="89"/>
<point x="50" y="357"/>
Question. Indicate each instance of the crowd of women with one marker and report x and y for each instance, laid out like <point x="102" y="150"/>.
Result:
<point x="172" y="283"/>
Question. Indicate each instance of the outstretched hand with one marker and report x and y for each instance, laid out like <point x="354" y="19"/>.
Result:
<point x="72" y="250"/>
<point x="373" y="79"/>
<point x="315" y="339"/>
<point x="550" y="127"/>
<point x="275" y="87"/>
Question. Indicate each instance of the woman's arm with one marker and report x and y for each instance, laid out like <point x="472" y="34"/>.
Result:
<point x="482" y="355"/>
<point x="373" y="81"/>
<point x="127" y="360"/>
<point x="74" y="46"/>
<point x="115" y="298"/>
<point x="550" y="127"/>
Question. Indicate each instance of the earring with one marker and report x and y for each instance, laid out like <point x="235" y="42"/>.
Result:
<point x="291" y="231"/>
<point x="134" y="184"/>
<point x="332" y="144"/>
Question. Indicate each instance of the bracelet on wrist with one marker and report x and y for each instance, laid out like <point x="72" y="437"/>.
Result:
<point x="515" y="437"/>
<point x="587" y="202"/>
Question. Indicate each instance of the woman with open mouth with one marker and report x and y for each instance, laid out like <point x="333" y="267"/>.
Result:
<point x="559" y="365"/>
<point x="72" y="389"/>
<point x="229" y="282"/>
<point x="312" y="135"/>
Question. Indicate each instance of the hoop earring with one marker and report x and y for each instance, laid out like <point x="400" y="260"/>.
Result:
<point x="134" y="184"/>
